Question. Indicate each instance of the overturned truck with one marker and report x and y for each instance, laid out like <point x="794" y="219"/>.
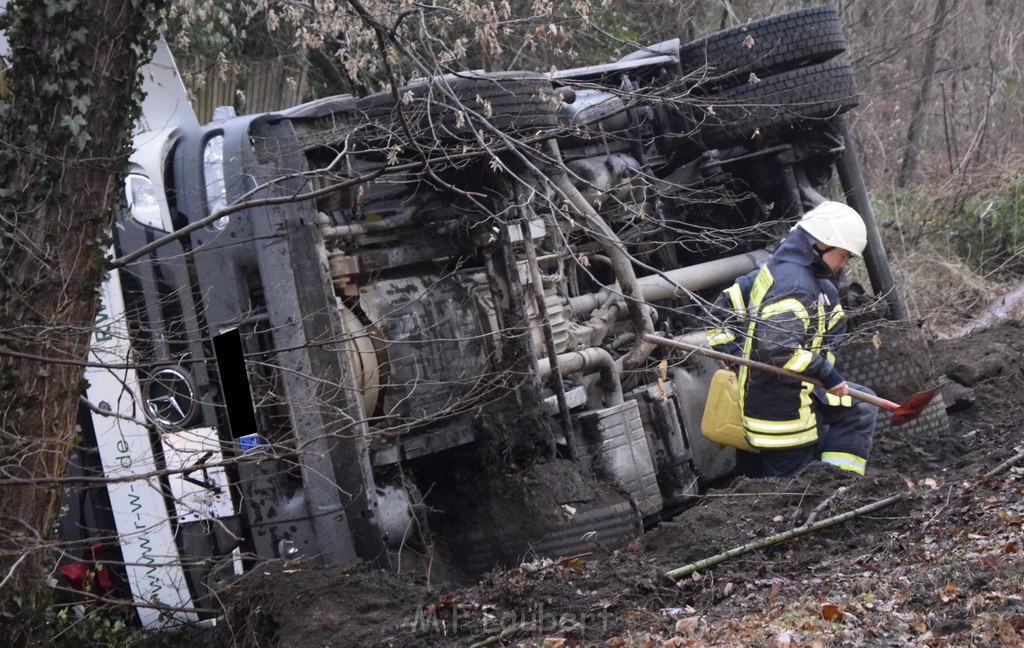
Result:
<point x="378" y="315"/>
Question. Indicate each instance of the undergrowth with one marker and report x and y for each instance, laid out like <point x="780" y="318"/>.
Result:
<point x="953" y="248"/>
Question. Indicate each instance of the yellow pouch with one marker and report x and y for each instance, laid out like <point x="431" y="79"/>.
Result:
<point x="721" y="421"/>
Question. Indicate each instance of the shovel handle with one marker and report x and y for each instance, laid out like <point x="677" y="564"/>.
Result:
<point x="871" y="399"/>
<point x="761" y="366"/>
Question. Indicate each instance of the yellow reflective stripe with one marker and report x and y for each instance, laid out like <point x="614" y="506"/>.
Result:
<point x="837" y="314"/>
<point x="846" y="461"/>
<point x="801" y="357"/>
<point x="719" y="336"/>
<point x="736" y="299"/>
<point x="786" y="305"/>
<point x="781" y="441"/>
<point x="839" y="401"/>
<point x="805" y="422"/>
<point x="799" y="361"/>
<point x="762" y="283"/>
<point x="819" y="330"/>
<point x="826" y="326"/>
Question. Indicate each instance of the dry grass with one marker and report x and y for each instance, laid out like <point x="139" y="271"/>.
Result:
<point x="940" y="291"/>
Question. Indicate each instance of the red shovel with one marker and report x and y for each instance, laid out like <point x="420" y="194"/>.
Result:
<point x="904" y="412"/>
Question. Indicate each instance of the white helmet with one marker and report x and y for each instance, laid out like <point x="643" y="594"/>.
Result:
<point x="836" y="225"/>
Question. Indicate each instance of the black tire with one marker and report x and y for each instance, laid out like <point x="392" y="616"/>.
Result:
<point x="771" y="106"/>
<point x="763" y="47"/>
<point x="454" y="109"/>
<point x="886" y="370"/>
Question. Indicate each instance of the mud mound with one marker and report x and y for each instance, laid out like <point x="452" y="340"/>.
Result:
<point x="304" y="605"/>
<point x="985" y="373"/>
<point x="939" y="567"/>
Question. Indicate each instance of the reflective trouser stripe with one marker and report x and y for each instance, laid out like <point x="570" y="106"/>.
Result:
<point x="846" y="461"/>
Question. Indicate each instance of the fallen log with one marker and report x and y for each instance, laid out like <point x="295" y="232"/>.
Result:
<point x="795" y="532"/>
<point x="1000" y="310"/>
<point x="1006" y="465"/>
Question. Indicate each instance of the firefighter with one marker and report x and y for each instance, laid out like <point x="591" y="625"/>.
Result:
<point x="787" y="313"/>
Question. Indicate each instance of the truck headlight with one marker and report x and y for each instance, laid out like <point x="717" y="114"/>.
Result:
<point x="213" y="174"/>
<point x="143" y="201"/>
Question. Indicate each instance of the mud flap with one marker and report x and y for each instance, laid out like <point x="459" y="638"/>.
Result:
<point x="620" y="453"/>
<point x="660" y="415"/>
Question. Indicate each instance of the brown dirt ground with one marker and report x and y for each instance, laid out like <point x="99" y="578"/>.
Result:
<point x="942" y="567"/>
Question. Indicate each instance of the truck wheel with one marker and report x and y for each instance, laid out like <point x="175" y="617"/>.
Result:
<point x="767" y="46"/>
<point x="454" y="109"/>
<point x="767" y="107"/>
<point x="897" y="368"/>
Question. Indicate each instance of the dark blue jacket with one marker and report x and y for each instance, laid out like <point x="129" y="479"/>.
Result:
<point x="785" y="315"/>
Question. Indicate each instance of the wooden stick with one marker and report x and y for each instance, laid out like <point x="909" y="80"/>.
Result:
<point x="824" y="505"/>
<point x="1003" y="467"/>
<point x="711" y="561"/>
<point x="504" y="635"/>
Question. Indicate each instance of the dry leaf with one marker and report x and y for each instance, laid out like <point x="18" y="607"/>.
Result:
<point x="831" y="613"/>
<point x="749" y="41"/>
<point x="876" y="341"/>
<point x="662" y="377"/>
<point x="650" y="641"/>
<point x="689" y="624"/>
<point x="776" y="588"/>
<point x="553" y="642"/>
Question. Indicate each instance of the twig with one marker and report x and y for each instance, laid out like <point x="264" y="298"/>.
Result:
<point x="823" y="505"/>
<point x="924" y="527"/>
<point x="711" y="561"/>
<point x="564" y="560"/>
<point x="1006" y="465"/>
<point x="13" y="569"/>
<point x="504" y="635"/>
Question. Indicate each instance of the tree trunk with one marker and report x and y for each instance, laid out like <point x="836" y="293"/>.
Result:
<point x="915" y="131"/>
<point x="66" y="125"/>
